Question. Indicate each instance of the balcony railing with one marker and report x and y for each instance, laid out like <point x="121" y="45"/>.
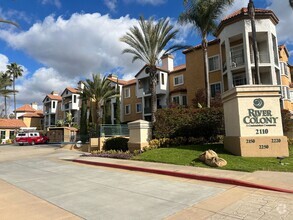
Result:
<point x="147" y="110"/>
<point x="263" y="58"/>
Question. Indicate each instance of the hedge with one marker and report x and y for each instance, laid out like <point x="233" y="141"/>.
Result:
<point x="204" y="123"/>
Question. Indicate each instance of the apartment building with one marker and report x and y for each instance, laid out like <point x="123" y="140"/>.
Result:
<point x="231" y="63"/>
<point x="52" y="109"/>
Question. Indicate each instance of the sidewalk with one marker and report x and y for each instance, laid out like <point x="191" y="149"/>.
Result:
<point x="272" y="180"/>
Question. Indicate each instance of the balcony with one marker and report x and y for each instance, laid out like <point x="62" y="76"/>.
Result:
<point x="263" y="58"/>
<point x="147" y="110"/>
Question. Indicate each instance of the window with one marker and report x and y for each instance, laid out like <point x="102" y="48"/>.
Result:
<point x="11" y="134"/>
<point x="184" y="100"/>
<point x="176" y="100"/>
<point x="54" y="104"/>
<point x="127" y="93"/>
<point x="138" y="108"/>
<point x="215" y="89"/>
<point x="74" y="98"/>
<point x="127" y="109"/>
<point x="163" y="79"/>
<point x="285" y="69"/>
<point x="180" y="100"/>
<point x="239" y="79"/>
<point x="285" y="92"/>
<point x="178" y="80"/>
<point x="214" y="63"/>
<point x="2" y="135"/>
<point x="237" y="56"/>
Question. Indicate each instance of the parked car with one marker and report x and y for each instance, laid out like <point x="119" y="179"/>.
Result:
<point x="32" y="138"/>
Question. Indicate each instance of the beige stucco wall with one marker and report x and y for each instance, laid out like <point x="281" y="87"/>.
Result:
<point x="132" y="100"/>
<point x="194" y="77"/>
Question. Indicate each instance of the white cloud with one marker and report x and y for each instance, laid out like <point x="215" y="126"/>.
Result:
<point x="285" y="15"/>
<point x="57" y="3"/>
<point x="111" y="4"/>
<point x="76" y="47"/>
<point x="238" y="4"/>
<point x="42" y="82"/>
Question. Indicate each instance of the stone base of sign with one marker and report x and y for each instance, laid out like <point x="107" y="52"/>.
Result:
<point x="253" y="121"/>
<point x="275" y="146"/>
<point x="140" y="133"/>
<point x="137" y="146"/>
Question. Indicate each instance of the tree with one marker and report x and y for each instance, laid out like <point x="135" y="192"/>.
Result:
<point x="5" y="82"/>
<point x="14" y="71"/>
<point x="8" y="22"/>
<point x="147" y="43"/>
<point x="83" y="118"/>
<point x="98" y="91"/>
<point x="117" y="112"/>
<point x="203" y="14"/>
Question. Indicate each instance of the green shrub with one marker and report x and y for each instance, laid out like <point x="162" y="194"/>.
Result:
<point x="203" y="123"/>
<point x="117" y="144"/>
<point x="286" y="120"/>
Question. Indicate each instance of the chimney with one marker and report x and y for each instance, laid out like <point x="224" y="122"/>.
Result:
<point x="54" y="93"/>
<point x="34" y="105"/>
<point x="80" y="85"/>
<point x="168" y="62"/>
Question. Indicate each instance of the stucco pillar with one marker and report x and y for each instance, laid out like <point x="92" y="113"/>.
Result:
<point x="253" y="122"/>
<point x="140" y="133"/>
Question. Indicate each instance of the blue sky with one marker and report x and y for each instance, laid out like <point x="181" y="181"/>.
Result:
<point x="63" y="41"/>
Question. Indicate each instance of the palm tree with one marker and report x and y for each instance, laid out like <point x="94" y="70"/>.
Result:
<point x="147" y="43"/>
<point x="203" y="14"/>
<point x="8" y="22"/>
<point x="4" y="83"/>
<point x="14" y="71"/>
<point x="98" y="91"/>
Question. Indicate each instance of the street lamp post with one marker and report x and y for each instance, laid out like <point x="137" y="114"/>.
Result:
<point x="251" y="13"/>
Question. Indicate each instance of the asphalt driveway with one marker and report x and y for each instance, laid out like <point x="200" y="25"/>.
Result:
<point x="93" y="192"/>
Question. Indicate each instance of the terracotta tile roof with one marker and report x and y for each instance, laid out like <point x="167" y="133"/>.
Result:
<point x="25" y="108"/>
<point x="120" y="81"/>
<point x="11" y="123"/>
<point x="245" y="10"/>
<point x="243" y="14"/>
<point x="130" y="82"/>
<point x="215" y="41"/>
<point x="32" y="115"/>
<point x="73" y="90"/>
<point x="178" y="68"/>
<point x="54" y="97"/>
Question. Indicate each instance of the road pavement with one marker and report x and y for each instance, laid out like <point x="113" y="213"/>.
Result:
<point x="37" y="183"/>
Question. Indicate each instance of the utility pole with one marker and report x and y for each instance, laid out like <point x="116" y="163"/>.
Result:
<point x="251" y="13"/>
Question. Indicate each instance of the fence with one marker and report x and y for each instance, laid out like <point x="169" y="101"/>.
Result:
<point x="114" y="130"/>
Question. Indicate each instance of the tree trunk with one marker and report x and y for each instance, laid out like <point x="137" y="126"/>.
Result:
<point x="255" y="51"/>
<point x="83" y="121"/>
<point x="206" y="72"/>
<point x="14" y="95"/>
<point x="153" y="79"/>
<point x="5" y="105"/>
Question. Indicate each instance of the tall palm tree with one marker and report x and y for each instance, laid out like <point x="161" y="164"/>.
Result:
<point x="203" y="14"/>
<point x="8" y="22"/>
<point x="4" y="83"/>
<point x="147" y="43"/>
<point x="14" y="71"/>
<point x="98" y="90"/>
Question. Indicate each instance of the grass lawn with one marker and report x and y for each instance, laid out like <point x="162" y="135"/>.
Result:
<point x="188" y="155"/>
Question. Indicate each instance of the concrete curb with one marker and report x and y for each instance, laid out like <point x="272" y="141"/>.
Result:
<point x="186" y="175"/>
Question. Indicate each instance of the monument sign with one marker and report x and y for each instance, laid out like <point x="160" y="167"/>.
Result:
<point x="253" y="121"/>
